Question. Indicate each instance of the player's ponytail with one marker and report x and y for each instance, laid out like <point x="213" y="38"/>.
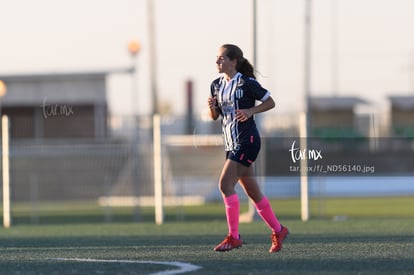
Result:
<point x="243" y="65"/>
<point x="246" y="68"/>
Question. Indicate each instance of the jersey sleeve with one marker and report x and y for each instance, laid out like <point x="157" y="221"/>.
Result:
<point x="214" y="89"/>
<point x="258" y="92"/>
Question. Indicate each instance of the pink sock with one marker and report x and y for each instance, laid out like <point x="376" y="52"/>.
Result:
<point x="232" y="205"/>
<point x="265" y="211"/>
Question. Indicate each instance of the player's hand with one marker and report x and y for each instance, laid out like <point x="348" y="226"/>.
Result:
<point x="244" y="114"/>
<point x="212" y="102"/>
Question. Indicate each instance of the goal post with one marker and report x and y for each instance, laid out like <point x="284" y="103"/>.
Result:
<point x="6" y="171"/>
<point x="158" y="177"/>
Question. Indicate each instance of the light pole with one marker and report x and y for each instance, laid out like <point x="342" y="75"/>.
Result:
<point x="304" y="117"/>
<point x="133" y="48"/>
<point x="259" y="167"/>
<point x="3" y="88"/>
<point x="152" y="56"/>
<point x="3" y="91"/>
<point x="254" y="34"/>
<point x="335" y="56"/>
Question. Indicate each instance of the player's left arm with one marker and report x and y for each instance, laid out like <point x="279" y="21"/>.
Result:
<point x="244" y="114"/>
<point x="266" y="105"/>
<point x="258" y="93"/>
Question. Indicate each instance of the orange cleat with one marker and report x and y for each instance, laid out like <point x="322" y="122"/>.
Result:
<point x="277" y="239"/>
<point x="228" y="244"/>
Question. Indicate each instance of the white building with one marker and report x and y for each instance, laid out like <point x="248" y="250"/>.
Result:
<point x="56" y="105"/>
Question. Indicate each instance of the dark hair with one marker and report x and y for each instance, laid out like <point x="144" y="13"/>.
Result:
<point x="243" y="65"/>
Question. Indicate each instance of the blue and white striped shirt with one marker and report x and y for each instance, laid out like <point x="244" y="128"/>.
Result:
<point x="241" y="92"/>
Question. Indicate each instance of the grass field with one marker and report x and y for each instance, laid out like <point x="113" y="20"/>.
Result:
<point x="372" y="239"/>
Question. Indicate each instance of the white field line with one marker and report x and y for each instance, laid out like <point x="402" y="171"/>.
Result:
<point x="182" y="267"/>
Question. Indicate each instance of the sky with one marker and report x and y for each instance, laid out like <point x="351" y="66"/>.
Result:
<point x="359" y="48"/>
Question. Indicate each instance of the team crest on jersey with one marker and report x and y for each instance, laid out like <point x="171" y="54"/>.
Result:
<point x="239" y="90"/>
<point x="239" y="93"/>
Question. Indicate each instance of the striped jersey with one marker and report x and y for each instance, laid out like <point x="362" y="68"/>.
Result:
<point x="241" y="92"/>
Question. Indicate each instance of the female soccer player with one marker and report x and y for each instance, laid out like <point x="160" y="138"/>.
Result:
<point x="233" y="97"/>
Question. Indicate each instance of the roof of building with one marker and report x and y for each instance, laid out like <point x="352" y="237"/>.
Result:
<point x="325" y="103"/>
<point x="61" y="74"/>
<point x="405" y="102"/>
<point x="34" y="89"/>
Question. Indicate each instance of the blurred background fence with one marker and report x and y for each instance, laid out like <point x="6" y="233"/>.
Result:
<point x="117" y="170"/>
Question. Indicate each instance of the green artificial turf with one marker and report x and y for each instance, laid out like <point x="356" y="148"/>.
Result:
<point x="374" y="236"/>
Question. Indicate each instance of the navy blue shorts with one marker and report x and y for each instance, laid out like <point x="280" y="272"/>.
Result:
<point x="247" y="151"/>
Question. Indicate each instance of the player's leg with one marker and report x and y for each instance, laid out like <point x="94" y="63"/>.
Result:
<point x="264" y="209"/>
<point x="228" y="179"/>
<point x="250" y="186"/>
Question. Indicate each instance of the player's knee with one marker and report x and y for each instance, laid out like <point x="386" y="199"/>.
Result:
<point x="225" y="188"/>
